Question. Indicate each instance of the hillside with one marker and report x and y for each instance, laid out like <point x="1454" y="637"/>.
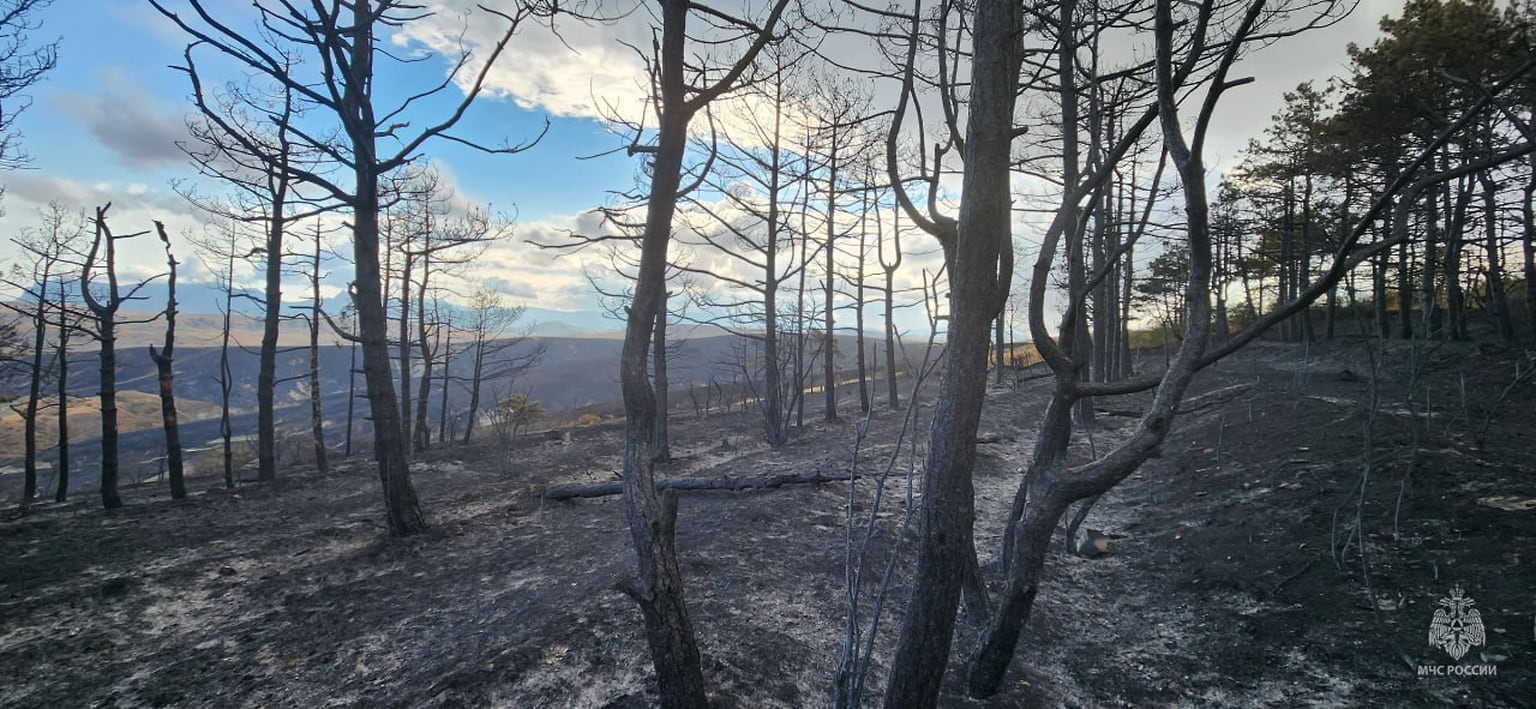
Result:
<point x="1231" y="577"/>
<point x="575" y="373"/>
<point x="136" y="411"/>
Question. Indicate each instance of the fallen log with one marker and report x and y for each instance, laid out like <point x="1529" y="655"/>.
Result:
<point x="578" y="490"/>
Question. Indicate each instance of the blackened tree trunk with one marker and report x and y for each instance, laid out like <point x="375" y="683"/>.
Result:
<point x="945" y="545"/>
<point x="342" y="36"/>
<point x="892" y="397"/>
<point x="1498" y="299"/>
<point x="443" y="434"/>
<point x="1379" y="294"/>
<point x="477" y="372"/>
<point x="35" y="386"/>
<point x="316" y="409"/>
<point x="1049" y="486"/>
<point x="61" y="365"/>
<point x="858" y="305"/>
<point x="828" y="335"/>
<point x="164" y="358"/>
<point x="351" y="399"/>
<point x="1528" y="246"/>
<point x="1455" y="228"/>
<point x="661" y="448"/>
<point x="272" y="304"/>
<point x="1429" y="304"/>
<point x="1405" y="292"/>
<point x="802" y="318"/>
<point x="226" y="377"/>
<point x="104" y="247"/>
<point x="404" y="342"/>
<point x="39" y="265"/>
<point x="422" y="428"/>
<point x="658" y="588"/>
<point x="390" y="446"/>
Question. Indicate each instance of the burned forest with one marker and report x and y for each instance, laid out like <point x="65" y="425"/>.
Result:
<point x="924" y="353"/>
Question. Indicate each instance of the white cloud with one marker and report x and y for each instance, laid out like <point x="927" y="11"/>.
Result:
<point x="583" y="71"/>
<point x="133" y="210"/>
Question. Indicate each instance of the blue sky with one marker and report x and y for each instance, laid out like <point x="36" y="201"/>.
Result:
<point x="103" y="115"/>
<point x="103" y="125"/>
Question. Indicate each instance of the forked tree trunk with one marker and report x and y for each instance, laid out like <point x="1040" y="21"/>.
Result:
<point x="658" y="587"/>
<point x="1049" y="487"/>
<point x="106" y="335"/>
<point x="474" y="382"/>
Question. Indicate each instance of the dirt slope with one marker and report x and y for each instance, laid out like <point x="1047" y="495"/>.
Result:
<point x="1227" y="586"/>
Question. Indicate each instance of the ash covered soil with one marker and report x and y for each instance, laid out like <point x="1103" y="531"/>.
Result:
<point x="1236" y="576"/>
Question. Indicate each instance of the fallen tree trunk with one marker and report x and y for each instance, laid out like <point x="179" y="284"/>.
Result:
<point x="573" y="491"/>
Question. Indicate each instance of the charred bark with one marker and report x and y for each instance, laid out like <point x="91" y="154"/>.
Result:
<point x="164" y="358"/>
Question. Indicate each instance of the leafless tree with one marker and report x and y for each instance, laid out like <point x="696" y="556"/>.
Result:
<point x="495" y="354"/>
<point x="1195" y="46"/>
<point x="442" y="252"/>
<point x="311" y="314"/>
<point x="164" y="359"/>
<point x="46" y="255"/>
<point x="220" y="248"/>
<point x="678" y="99"/>
<point x="342" y="40"/>
<point x="104" y="305"/>
<point x="744" y="218"/>
<point x="21" y="67"/>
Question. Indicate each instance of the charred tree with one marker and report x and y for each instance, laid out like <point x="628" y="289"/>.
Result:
<point x="104" y="310"/>
<point x="344" y="40"/>
<point x="42" y="263"/>
<point x="494" y="354"/>
<point x="164" y="359"/>
<point x="658" y="589"/>
<point x="316" y="403"/>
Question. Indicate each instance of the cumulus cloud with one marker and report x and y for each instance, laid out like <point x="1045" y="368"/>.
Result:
<point x="586" y="70"/>
<point x="582" y="71"/>
<point x="552" y="279"/>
